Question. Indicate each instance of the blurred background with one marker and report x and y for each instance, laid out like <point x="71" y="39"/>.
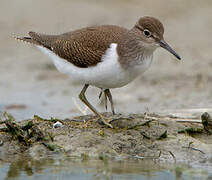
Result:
<point x="30" y="84"/>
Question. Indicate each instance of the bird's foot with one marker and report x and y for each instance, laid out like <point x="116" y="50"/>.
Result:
<point x="106" y="121"/>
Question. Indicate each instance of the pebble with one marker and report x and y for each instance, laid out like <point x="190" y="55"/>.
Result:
<point x="57" y="125"/>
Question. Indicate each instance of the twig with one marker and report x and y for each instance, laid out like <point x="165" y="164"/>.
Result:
<point x="151" y="118"/>
<point x="173" y="156"/>
<point x="139" y="125"/>
<point x="159" y="154"/>
<point x="191" y="130"/>
<point x="163" y="135"/>
<point x="188" y="120"/>
<point x="148" y="157"/>
<point x="195" y="149"/>
<point x="144" y="135"/>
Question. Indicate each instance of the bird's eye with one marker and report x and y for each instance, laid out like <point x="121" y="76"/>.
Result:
<point x="147" y="33"/>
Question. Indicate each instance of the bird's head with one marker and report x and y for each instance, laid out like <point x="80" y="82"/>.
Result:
<point x="150" y="31"/>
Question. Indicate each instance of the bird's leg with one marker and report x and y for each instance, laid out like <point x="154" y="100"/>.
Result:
<point x="100" y="94"/>
<point x="105" y="101"/>
<point x="85" y="101"/>
<point x="109" y="95"/>
<point x="105" y="98"/>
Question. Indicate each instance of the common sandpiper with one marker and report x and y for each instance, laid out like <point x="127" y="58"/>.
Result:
<point x="106" y="56"/>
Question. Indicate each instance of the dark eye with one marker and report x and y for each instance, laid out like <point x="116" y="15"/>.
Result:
<point x="147" y="33"/>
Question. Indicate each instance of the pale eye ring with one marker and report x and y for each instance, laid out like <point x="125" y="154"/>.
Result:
<point x="147" y="33"/>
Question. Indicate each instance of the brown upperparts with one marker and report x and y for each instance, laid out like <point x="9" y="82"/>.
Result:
<point x="85" y="47"/>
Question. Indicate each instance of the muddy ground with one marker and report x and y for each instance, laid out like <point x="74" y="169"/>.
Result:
<point x="136" y="136"/>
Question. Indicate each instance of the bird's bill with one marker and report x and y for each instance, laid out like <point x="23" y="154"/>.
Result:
<point x="164" y="45"/>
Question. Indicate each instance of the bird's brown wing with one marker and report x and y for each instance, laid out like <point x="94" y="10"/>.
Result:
<point x="83" y="47"/>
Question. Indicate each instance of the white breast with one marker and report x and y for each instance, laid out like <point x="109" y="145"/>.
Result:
<point x="106" y="74"/>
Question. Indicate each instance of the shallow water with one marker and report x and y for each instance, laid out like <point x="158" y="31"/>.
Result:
<point x="72" y="168"/>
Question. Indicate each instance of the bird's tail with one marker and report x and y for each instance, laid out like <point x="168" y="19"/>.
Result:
<point x="38" y="39"/>
<point x="28" y="39"/>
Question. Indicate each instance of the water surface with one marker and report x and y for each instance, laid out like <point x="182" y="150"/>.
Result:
<point x="73" y="168"/>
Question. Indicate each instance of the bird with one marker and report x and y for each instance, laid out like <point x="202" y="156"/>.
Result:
<point x="104" y="56"/>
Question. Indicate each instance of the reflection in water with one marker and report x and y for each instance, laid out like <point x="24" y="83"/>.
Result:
<point x="72" y="168"/>
<point x="29" y="167"/>
<point x="77" y="168"/>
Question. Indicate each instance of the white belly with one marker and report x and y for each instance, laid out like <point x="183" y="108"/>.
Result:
<point x="106" y="74"/>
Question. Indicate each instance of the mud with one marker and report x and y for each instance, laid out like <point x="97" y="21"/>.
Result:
<point x="136" y="136"/>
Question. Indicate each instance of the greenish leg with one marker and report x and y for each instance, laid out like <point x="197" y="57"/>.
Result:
<point x="109" y="95"/>
<point x="85" y="101"/>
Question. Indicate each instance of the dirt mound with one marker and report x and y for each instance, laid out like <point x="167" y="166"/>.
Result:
<point x="164" y="138"/>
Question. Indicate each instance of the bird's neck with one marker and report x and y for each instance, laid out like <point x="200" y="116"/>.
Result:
<point x="132" y="51"/>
